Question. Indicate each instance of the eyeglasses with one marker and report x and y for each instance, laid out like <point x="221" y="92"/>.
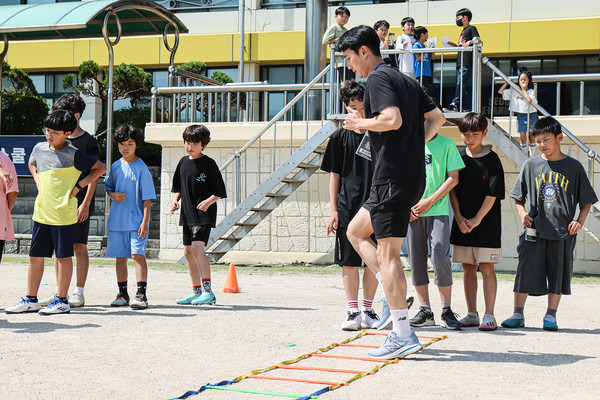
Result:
<point x="51" y="133"/>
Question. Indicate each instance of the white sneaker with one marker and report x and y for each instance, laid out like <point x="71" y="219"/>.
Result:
<point x="120" y="301"/>
<point x="139" y="303"/>
<point x="370" y="319"/>
<point x="56" y="307"/>
<point x="352" y="322"/>
<point x="76" y="300"/>
<point x="47" y="300"/>
<point x="25" y="305"/>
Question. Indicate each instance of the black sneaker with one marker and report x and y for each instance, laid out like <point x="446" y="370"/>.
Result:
<point x="449" y="320"/>
<point x="423" y="318"/>
<point x="451" y="108"/>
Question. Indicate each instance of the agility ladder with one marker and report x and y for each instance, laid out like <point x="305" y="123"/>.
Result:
<point x="226" y="385"/>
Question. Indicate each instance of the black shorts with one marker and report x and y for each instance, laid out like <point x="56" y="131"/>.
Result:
<point x="195" y="234"/>
<point x="545" y="266"/>
<point x="345" y="255"/>
<point x="48" y="239"/>
<point x="389" y="205"/>
<point x="82" y="229"/>
<point x="1" y="249"/>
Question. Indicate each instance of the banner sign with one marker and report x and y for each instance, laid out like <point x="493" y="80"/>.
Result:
<point x="18" y="149"/>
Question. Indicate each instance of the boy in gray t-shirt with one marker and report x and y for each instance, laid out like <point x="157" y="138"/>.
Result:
<point x="553" y="184"/>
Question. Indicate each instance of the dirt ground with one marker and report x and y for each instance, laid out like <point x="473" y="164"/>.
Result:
<point x="99" y="352"/>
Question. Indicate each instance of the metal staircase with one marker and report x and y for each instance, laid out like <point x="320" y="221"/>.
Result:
<point x="269" y="194"/>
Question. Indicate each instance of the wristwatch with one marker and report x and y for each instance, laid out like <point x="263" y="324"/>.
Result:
<point x="78" y="186"/>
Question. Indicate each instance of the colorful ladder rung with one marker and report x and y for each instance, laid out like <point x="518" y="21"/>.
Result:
<point x="343" y="371"/>
<point x="233" y="389"/>
<point x="277" y="378"/>
<point x="351" y="358"/>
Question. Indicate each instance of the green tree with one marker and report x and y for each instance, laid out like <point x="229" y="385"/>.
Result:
<point x="23" y="110"/>
<point x="129" y="82"/>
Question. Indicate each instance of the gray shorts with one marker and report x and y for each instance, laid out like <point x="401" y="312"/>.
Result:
<point x="545" y="266"/>
<point x="436" y="231"/>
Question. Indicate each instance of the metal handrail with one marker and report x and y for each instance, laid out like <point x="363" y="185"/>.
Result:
<point x="557" y="78"/>
<point x="240" y="88"/>
<point x="277" y="116"/>
<point x="190" y="75"/>
<point x="590" y="153"/>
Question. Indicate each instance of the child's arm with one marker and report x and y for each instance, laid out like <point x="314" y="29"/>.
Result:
<point x="485" y="208"/>
<point x="460" y="220"/>
<point x="97" y="170"/>
<point x="83" y="212"/>
<point x="116" y="196"/>
<point x="526" y="220"/>
<point x="501" y="91"/>
<point x="175" y="202"/>
<point x="143" y="229"/>
<point x="34" y="175"/>
<point x="204" y="204"/>
<point x="11" y="198"/>
<point x="576" y="225"/>
<point x="425" y="204"/>
<point x="334" y="190"/>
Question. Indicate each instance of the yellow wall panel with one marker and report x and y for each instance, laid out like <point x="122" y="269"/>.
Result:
<point x="206" y="48"/>
<point x="41" y="55"/>
<point x="553" y="36"/>
<point x="277" y="46"/>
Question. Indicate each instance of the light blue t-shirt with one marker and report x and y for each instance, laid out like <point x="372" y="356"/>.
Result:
<point x="426" y="58"/>
<point x="135" y="181"/>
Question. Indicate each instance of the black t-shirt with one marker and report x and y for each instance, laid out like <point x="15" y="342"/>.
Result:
<point x="354" y="170"/>
<point x="397" y="155"/>
<point x="86" y="143"/>
<point x="197" y="180"/>
<point x="467" y="34"/>
<point x="481" y="177"/>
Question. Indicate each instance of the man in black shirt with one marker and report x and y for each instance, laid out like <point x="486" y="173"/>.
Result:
<point x="464" y="62"/>
<point x="400" y="117"/>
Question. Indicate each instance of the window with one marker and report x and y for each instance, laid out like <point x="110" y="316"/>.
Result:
<point x="282" y="75"/>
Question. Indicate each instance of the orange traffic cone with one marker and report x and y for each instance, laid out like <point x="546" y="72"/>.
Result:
<point x="231" y="284"/>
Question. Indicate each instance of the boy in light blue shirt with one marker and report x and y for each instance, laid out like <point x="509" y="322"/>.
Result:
<point x="131" y="188"/>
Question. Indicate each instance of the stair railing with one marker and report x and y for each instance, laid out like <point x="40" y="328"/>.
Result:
<point x="592" y="156"/>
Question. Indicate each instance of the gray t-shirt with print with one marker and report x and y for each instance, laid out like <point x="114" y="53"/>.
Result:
<point x="553" y="189"/>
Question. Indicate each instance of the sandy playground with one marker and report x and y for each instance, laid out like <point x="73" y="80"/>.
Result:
<point x="99" y="352"/>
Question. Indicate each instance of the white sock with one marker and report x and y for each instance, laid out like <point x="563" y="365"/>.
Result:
<point x="401" y="327"/>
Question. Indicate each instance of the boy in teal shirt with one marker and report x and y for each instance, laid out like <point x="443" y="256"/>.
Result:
<point x="430" y="220"/>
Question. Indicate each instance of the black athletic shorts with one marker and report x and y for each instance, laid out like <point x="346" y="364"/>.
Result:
<point x="545" y="266"/>
<point x="345" y="255"/>
<point x="48" y="239"/>
<point x="195" y="234"/>
<point x="389" y="205"/>
<point x="1" y="249"/>
<point x="82" y="229"/>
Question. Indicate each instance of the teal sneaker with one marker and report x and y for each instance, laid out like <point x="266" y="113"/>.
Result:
<point x="205" y="298"/>
<point x="514" y="322"/>
<point x="550" y="325"/>
<point x="187" y="299"/>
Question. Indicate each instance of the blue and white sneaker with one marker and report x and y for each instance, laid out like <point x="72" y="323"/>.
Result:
<point x="25" y="305"/>
<point x="550" y="323"/>
<point x="515" y="321"/>
<point x="56" y="307"/>
<point x="385" y="322"/>
<point x="187" y="299"/>
<point x="205" y="298"/>
<point x="395" y="347"/>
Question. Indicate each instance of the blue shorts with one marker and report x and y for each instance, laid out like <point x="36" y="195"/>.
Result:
<point x="522" y="121"/>
<point x="46" y="239"/>
<point x="123" y="244"/>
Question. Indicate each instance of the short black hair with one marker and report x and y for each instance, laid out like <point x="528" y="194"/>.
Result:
<point x="406" y="20"/>
<point x="342" y="10"/>
<point x="472" y="122"/>
<point x="358" y="36"/>
<point x="546" y="125"/>
<point x="529" y="76"/>
<point x="70" y="102"/>
<point x="352" y="91"/>
<point x="61" y="120"/>
<point x="126" y="131"/>
<point x="197" y="134"/>
<point x="418" y="31"/>
<point x="381" y="23"/>
<point x="465" y="11"/>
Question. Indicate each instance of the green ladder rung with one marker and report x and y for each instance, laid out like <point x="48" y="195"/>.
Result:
<point x="233" y="389"/>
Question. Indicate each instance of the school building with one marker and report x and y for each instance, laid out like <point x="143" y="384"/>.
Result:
<point x="547" y="37"/>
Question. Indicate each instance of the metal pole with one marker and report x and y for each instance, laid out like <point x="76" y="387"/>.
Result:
<point x="2" y="55"/>
<point x="242" y="17"/>
<point x="314" y="51"/>
<point x="238" y="194"/>
<point x="557" y="98"/>
<point x="581" y="95"/>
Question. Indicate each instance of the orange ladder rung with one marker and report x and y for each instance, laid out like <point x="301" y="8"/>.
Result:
<point x="351" y="358"/>
<point x="343" y="371"/>
<point x="276" y="378"/>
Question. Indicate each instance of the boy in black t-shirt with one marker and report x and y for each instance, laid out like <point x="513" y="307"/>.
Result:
<point x="553" y="184"/>
<point x="476" y="229"/>
<point x="464" y="62"/>
<point x="349" y="184"/>
<point x="198" y="183"/>
<point x="85" y="142"/>
<point x="400" y="117"/>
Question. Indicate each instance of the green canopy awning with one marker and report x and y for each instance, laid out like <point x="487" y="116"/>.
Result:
<point x="83" y="19"/>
